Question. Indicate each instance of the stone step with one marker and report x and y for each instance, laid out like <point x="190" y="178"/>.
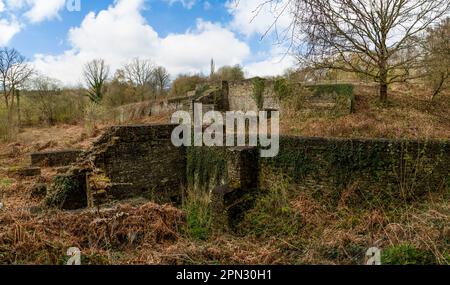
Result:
<point x="25" y="171"/>
<point x="55" y="158"/>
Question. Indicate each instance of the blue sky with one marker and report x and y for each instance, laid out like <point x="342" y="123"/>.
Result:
<point x="182" y="35"/>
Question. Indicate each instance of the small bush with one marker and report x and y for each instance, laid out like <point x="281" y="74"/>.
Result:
<point x="95" y="114"/>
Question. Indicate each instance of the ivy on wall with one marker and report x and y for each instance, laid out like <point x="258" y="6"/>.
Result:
<point x="259" y="85"/>
<point x="206" y="167"/>
<point x="339" y="89"/>
<point x="375" y="171"/>
<point x="282" y="89"/>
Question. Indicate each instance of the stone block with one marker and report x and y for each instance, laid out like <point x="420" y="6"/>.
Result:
<point x="26" y="171"/>
<point x="55" y="158"/>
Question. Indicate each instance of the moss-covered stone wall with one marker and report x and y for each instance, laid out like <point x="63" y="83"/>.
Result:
<point x="372" y="168"/>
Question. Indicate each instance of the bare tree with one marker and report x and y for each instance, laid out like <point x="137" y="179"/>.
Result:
<point x="438" y="57"/>
<point x="14" y="71"/>
<point x="96" y="73"/>
<point x="162" y="79"/>
<point x="139" y="72"/>
<point x="47" y="89"/>
<point x="375" y="38"/>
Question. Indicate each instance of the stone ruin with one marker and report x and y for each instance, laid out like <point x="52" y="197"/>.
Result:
<point x="140" y="161"/>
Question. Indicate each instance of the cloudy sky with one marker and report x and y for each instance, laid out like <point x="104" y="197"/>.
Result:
<point x="182" y="35"/>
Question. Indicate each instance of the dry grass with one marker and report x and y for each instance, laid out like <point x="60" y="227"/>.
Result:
<point x="26" y="239"/>
<point x="409" y="114"/>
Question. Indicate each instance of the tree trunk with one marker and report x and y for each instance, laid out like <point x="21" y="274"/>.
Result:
<point x="18" y="108"/>
<point x="383" y="92"/>
<point x="383" y="82"/>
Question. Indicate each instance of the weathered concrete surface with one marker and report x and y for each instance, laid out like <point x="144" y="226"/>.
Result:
<point x="55" y="158"/>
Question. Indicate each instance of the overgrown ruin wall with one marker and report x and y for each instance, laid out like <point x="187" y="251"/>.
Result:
<point x="140" y="161"/>
<point x="136" y="111"/>
<point x="328" y="166"/>
<point x="242" y="95"/>
<point x="369" y="167"/>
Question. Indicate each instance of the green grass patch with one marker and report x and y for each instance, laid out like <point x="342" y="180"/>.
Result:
<point x="198" y="212"/>
<point x="406" y="254"/>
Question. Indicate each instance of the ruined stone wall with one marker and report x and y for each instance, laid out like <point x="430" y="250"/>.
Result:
<point x="332" y="99"/>
<point x="327" y="99"/>
<point x="141" y="160"/>
<point x="55" y="158"/>
<point x="391" y="169"/>
<point x="372" y="168"/>
<point x="139" y="110"/>
<point x="241" y="98"/>
<point x="126" y="162"/>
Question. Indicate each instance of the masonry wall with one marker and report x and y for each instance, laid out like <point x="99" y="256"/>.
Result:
<point x="141" y="160"/>
<point x="240" y="96"/>
<point x="332" y="99"/>
<point x="126" y="162"/>
<point x="371" y="168"/>
<point x="139" y="110"/>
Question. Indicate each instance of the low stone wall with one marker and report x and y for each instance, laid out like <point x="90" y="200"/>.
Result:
<point x="331" y="99"/>
<point x="55" y="158"/>
<point x="372" y="168"/>
<point x="139" y="110"/>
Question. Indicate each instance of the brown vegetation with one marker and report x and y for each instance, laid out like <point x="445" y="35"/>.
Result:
<point x="409" y="114"/>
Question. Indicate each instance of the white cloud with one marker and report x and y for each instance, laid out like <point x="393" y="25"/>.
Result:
<point x="8" y="29"/>
<point x="188" y="4"/>
<point x="37" y="10"/>
<point x="2" y="6"/>
<point x="273" y="63"/>
<point x="120" y="33"/>
<point x="192" y="51"/>
<point x="257" y="16"/>
<point x="44" y="9"/>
